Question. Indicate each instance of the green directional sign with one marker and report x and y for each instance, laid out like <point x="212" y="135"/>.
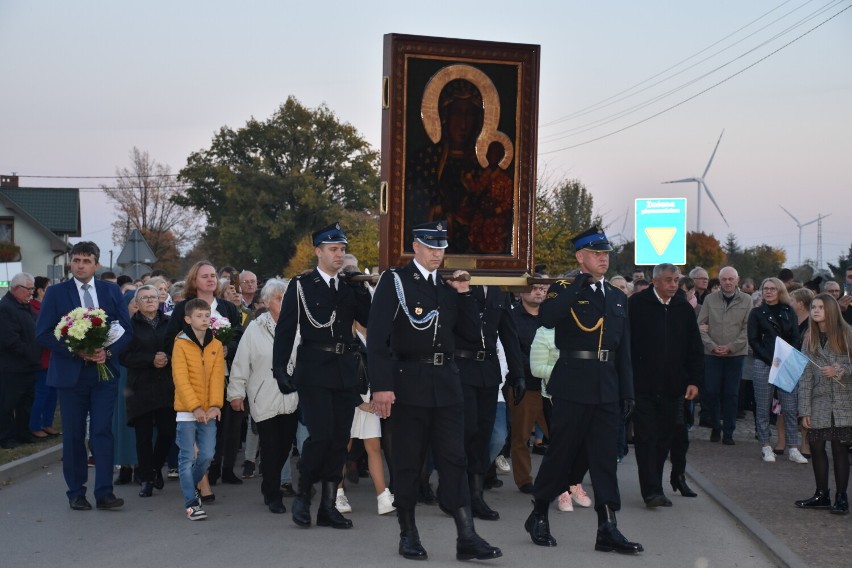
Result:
<point x="660" y="231"/>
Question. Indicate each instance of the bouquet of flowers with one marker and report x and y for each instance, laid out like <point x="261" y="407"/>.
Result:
<point x="85" y="329"/>
<point x="222" y="330"/>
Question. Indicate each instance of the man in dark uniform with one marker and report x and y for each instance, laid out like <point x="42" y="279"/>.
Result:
<point x="479" y="369"/>
<point x="411" y="350"/>
<point x="591" y="388"/>
<point x="322" y="307"/>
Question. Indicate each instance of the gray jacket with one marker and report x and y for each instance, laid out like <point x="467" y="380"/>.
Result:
<point x="821" y="397"/>
<point x="728" y="322"/>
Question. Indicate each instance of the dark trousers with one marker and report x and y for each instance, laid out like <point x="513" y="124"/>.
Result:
<point x="416" y="429"/>
<point x="721" y="389"/>
<point x="680" y="439"/>
<point x="277" y="435"/>
<point x="654" y="420"/>
<point x="96" y="399"/>
<point x="150" y="453"/>
<point x="16" y="401"/>
<point x="327" y="413"/>
<point x="228" y="433"/>
<point x="480" y="410"/>
<point x="44" y="403"/>
<point x="574" y="426"/>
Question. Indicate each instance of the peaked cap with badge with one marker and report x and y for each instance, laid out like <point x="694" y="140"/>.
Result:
<point x="432" y="234"/>
<point x="593" y="239"/>
<point x="329" y="235"/>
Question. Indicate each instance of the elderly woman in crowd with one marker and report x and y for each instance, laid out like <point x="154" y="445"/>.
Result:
<point x="773" y="318"/>
<point x="251" y="380"/>
<point x="150" y="391"/>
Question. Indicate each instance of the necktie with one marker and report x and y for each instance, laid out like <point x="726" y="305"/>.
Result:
<point x="432" y="282"/>
<point x="87" y="298"/>
<point x="599" y="291"/>
<point x="331" y="285"/>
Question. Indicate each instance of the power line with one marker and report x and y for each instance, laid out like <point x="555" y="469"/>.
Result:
<point x="711" y="87"/>
<point x="98" y="177"/>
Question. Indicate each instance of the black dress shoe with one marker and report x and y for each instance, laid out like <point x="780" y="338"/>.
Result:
<point x="539" y="449"/>
<point x="715" y="435"/>
<point x="275" y="504"/>
<point x="110" y="501"/>
<point x="657" y="501"/>
<point x="125" y="475"/>
<point x="80" y="503"/>
<point x="159" y="482"/>
<point x="492" y="483"/>
<point x="728" y="441"/>
<point x="229" y="477"/>
<point x="527" y="488"/>
<point x="841" y="504"/>
<point x="679" y="484"/>
<point x="287" y="489"/>
<point x="302" y="510"/>
<point x="147" y="489"/>
<point x="820" y="500"/>
<point x="538" y="526"/>
<point x="207" y="498"/>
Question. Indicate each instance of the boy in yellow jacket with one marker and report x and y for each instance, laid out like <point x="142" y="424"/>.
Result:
<point x="198" y="371"/>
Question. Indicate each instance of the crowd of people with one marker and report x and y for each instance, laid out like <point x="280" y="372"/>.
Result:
<point x="335" y="375"/>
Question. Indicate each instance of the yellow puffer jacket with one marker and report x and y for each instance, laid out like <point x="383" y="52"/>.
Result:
<point x="198" y="373"/>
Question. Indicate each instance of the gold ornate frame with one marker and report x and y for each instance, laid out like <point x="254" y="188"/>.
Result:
<point x="416" y="70"/>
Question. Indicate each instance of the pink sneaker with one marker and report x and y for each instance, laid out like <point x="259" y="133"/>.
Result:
<point x="579" y="495"/>
<point x="564" y="503"/>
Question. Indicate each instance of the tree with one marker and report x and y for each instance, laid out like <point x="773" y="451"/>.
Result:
<point x="143" y="198"/>
<point x="843" y="262"/>
<point x="759" y="262"/>
<point x="731" y="247"/>
<point x="265" y="186"/>
<point x="705" y="251"/>
<point x="564" y="208"/>
<point x="623" y="259"/>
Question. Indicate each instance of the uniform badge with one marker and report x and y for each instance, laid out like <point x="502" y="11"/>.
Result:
<point x="552" y="295"/>
<point x="417" y="276"/>
<point x="582" y="301"/>
<point x="337" y="226"/>
<point x="418" y="311"/>
<point x="439" y="227"/>
<point x="563" y="283"/>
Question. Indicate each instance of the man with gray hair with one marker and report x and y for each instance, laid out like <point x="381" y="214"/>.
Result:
<point x="20" y="359"/>
<point x="723" y="322"/>
<point x="701" y="279"/>
<point x="666" y="353"/>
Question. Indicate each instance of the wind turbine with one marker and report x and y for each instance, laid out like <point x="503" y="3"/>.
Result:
<point x="700" y="181"/>
<point x="623" y="227"/>
<point x="800" y="225"/>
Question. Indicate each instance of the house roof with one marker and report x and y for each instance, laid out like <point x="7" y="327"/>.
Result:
<point x="55" y="208"/>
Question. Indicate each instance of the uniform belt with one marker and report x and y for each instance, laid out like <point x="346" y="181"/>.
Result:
<point x="338" y="348"/>
<point x="604" y="355"/>
<point x="475" y="355"/>
<point x="433" y="359"/>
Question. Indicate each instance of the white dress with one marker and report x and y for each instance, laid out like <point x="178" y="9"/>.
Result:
<point x="365" y="425"/>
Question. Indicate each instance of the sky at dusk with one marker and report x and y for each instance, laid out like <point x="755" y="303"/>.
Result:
<point x="631" y="94"/>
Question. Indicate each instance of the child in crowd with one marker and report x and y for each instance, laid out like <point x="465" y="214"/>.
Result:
<point x="198" y="370"/>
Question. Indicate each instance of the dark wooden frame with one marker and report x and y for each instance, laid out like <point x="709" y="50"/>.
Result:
<point x="401" y="54"/>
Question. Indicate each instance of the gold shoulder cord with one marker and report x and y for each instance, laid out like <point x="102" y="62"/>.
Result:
<point x="598" y="326"/>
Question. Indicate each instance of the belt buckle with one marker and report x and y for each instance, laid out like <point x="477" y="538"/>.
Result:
<point x="603" y="355"/>
<point x="480" y="355"/>
<point x="438" y="359"/>
<point x="339" y="348"/>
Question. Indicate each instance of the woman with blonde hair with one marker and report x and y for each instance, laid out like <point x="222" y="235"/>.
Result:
<point x="825" y="402"/>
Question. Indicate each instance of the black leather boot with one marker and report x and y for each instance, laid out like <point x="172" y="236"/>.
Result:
<point x="679" y="484"/>
<point x="302" y="504"/>
<point x="125" y="475"/>
<point x="820" y="500"/>
<point x="147" y="489"/>
<point x="537" y="524"/>
<point x="610" y="538"/>
<point x="841" y="504"/>
<point x="275" y="503"/>
<point x="480" y="508"/>
<point x="409" y="538"/>
<point x="470" y="545"/>
<point x="327" y="513"/>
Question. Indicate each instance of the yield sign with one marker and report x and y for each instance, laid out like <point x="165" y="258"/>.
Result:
<point x="660" y="237"/>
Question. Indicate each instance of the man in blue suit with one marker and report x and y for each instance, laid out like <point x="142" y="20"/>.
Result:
<point x="75" y="377"/>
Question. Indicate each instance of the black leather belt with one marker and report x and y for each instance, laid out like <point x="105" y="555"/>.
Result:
<point x="475" y="355"/>
<point x="338" y="348"/>
<point x="604" y="355"/>
<point x="434" y="359"/>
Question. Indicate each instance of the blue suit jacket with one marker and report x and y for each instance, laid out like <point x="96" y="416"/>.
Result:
<point x="65" y="367"/>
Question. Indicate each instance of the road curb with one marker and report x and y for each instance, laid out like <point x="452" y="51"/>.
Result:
<point x="771" y="544"/>
<point x="19" y="468"/>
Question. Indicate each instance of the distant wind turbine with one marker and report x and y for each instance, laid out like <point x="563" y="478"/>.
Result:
<point x="623" y="227"/>
<point x="700" y="181"/>
<point x="800" y="225"/>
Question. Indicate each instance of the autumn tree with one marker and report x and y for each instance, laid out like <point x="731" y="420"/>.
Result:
<point x="265" y="186"/>
<point x="143" y="194"/>
<point x="705" y="251"/>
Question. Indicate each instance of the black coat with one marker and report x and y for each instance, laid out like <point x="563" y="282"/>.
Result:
<point x="666" y="346"/>
<point x="19" y="352"/>
<point x="764" y="327"/>
<point x="589" y="381"/>
<point x="495" y="320"/>
<point x="316" y="367"/>
<point x="393" y="342"/>
<point x="148" y="388"/>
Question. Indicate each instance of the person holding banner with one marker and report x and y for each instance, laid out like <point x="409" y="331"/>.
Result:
<point x="825" y="401"/>
<point x="773" y="318"/>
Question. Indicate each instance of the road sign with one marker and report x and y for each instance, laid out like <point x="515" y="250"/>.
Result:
<point x="660" y="231"/>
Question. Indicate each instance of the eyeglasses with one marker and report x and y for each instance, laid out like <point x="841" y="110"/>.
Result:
<point x="768" y="289"/>
<point x="248" y="281"/>
<point x="147" y="298"/>
<point x="701" y="278"/>
<point x="30" y="288"/>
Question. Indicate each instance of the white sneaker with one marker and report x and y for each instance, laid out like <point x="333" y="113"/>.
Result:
<point x="502" y="464"/>
<point x="768" y="454"/>
<point x="564" y="503"/>
<point x="195" y="512"/>
<point x="385" y="502"/>
<point x="579" y="495"/>
<point x="342" y="503"/>
<point x="794" y="455"/>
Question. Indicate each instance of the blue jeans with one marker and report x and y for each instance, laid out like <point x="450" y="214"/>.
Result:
<point x="301" y="436"/>
<point x="499" y="432"/>
<point x="44" y="404"/>
<point x="721" y="388"/>
<point x="192" y="467"/>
